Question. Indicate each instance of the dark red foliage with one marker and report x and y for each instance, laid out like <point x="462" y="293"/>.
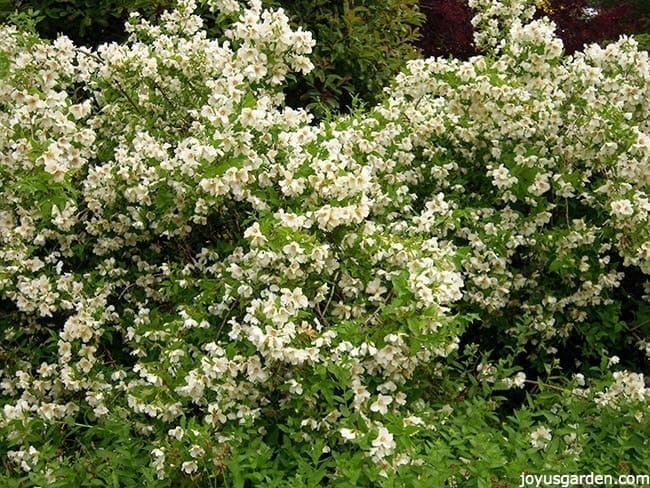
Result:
<point x="577" y="25"/>
<point x="448" y="29"/>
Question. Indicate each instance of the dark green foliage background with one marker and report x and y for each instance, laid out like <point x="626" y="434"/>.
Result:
<point x="360" y="46"/>
<point x="86" y="22"/>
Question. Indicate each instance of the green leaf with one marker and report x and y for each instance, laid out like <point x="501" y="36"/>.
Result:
<point x="249" y="100"/>
<point x="400" y="284"/>
<point x="4" y="65"/>
<point x="460" y="255"/>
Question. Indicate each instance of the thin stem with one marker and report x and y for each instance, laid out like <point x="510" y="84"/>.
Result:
<point x="226" y="317"/>
<point x="556" y="388"/>
<point x="118" y="86"/>
<point x="128" y="97"/>
<point x="329" y="300"/>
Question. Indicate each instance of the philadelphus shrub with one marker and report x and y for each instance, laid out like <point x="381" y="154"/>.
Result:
<point x="539" y="166"/>
<point x="185" y="256"/>
<point x="200" y="262"/>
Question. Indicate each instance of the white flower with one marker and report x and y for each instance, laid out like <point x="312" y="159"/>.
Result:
<point x="412" y="420"/>
<point x="381" y="405"/>
<point x="541" y="437"/>
<point x="501" y="177"/>
<point x="540" y="185"/>
<point x="189" y="467"/>
<point x="196" y="451"/>
<point x="254" y="234"/>
<point x="520" y="379"/>
<point x="294" y="299"/>
<point x="517" y="381"/>
<point x="177" y="432"/>
<point x="347" y="434"/>
<point x="622" y="208"/>
<point x="446" y="410"/>
<point x="54" y="163"/>
<point x="294" y="387"/>
<point x="384" y="443"/>
<point x="225" y="6"/>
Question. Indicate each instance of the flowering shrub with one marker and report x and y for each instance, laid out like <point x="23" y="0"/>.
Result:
<point x="540" y="164"/>
<point x="200" y="286"/>
<point x="234" y="258"/>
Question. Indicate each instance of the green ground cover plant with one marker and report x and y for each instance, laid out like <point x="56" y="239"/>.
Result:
<point x="203" y="286"/>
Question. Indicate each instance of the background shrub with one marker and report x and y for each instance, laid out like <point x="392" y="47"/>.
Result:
<point x="641" y="13"/>
<point x="448" y="29"/>
<point x="579" y="22"/>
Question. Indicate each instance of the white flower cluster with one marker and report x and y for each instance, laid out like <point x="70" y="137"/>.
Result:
<point x="494" y="18"/>
<point x="542" y="163"/>
<point x="187" y="247"/>
<point x="234" y="249"/>
<point x="627" y="387"/>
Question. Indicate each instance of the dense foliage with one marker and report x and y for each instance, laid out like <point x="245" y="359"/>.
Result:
<point x="201" y="286"/>
<point x="360" y="46"/>
<point x="579" y="24"/>
<point x="641" y="12"/>
<point x="447" y="30"/>
<point x="84" y="21"/>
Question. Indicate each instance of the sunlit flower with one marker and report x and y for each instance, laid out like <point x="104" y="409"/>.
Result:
<point x="381" y="404"/>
